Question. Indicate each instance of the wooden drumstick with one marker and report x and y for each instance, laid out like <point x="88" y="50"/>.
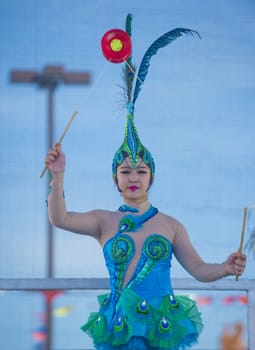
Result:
<point x="62" y="137"/>
<point x="242" y="234"/>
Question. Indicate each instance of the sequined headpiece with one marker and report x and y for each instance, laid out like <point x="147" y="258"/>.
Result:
<point x="132" y="147"/>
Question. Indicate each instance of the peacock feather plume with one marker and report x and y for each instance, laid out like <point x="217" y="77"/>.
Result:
<point x="132" y="146"/>
<point x="159" y="43"/>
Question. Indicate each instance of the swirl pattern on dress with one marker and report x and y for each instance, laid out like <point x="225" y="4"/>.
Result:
<point x="157" y="247"/>
<point x="122" y="249"/>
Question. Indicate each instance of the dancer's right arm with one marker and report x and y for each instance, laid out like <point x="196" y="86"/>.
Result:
<point x="83" y="223"/>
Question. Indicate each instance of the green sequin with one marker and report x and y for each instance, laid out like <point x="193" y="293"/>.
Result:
<point x="173" y="303"/>
<point x="119" y="324"/>
<point x="142" y="307"/>
<point x="157" y="247"/>
<point x="122" y="248"/>
<point x="165" y="326"/>
<point x="126" y="225"/>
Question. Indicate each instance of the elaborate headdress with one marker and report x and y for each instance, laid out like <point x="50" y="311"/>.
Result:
<point x="132" y="146"/>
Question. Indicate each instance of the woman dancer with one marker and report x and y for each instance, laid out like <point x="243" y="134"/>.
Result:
<point x="141" y="311"/>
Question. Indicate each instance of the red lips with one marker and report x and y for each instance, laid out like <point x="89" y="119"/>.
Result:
<point x="133" y="188"/>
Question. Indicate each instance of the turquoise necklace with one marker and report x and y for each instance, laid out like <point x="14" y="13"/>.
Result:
<point x="132" y="223"/>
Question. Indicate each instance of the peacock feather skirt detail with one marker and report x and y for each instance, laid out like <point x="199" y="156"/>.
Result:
<point x="163" y="323"/>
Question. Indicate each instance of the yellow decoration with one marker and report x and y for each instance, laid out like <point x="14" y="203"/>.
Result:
<point x="62" y="311"/>
<point x="116" y="45"/>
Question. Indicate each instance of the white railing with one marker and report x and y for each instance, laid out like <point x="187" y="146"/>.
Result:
<point x="245" y="285"/>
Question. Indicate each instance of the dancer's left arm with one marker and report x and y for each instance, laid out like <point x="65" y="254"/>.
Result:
<point x="189" y="258"/>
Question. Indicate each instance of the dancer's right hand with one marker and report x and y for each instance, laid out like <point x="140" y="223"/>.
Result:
<point x="55" y="159"/>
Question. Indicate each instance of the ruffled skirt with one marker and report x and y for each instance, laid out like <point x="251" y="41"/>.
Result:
<point x="132" y="323"/>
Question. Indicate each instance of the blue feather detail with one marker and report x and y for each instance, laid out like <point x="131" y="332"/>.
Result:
<point x="132" y="140"/>
<point x="162" y="41"/>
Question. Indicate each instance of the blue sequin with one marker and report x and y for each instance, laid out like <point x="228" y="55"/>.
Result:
<point x="131" y="223"/>
<point x="123" y="208"/>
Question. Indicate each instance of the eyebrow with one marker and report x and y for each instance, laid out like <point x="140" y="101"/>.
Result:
<point x="130" y="167"/>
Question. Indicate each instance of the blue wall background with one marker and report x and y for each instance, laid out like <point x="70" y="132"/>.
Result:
<point x="195" y="113"/>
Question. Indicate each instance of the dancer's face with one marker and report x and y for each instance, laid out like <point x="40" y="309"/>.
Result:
<point x="133" y="181"/>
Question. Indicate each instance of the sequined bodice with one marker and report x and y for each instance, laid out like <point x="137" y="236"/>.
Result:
<point x="141" y="306"/>
<point x="151" y="274"/>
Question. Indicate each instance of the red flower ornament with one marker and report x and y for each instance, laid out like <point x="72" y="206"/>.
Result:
<point x="116" y="45"/>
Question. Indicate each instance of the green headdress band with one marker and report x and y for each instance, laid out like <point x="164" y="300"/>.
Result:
<point x="132" y="146"/>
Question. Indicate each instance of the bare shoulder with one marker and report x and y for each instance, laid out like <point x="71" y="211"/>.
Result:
<point x="102" y="214"/>
<point x="174" y="226"/>
<point x="91" y="223"/>
<point x="108" y="223"/>
<point x="173" y="222"/>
